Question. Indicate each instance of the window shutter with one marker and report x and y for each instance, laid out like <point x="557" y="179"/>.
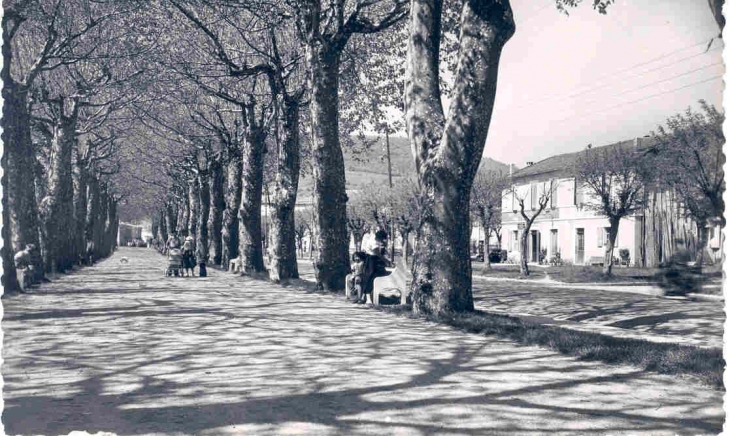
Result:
<point x="600" y="237"/>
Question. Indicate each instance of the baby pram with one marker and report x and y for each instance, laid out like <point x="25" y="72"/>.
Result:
<point x="174" y="263"/>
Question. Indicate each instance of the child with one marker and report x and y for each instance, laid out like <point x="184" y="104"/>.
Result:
<point x="354" y="279"/>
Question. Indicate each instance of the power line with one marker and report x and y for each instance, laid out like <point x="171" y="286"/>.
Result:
<point x="617" y="72"/>
<point x="644" y="98"/>
<point x="643" y="73"/>
<point x="628" y="91"/>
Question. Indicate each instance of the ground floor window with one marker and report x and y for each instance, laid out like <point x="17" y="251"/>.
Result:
<point x="553" y="242"/>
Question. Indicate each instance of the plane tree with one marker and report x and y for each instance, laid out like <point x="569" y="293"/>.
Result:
<point x="689" y="152"/>
<point x="615" y="178"/>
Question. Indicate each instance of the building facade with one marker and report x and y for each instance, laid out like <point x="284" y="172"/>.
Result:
<point x="570" y="227"/>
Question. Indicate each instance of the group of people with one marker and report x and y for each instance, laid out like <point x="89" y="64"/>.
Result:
<point x="188" y="254"/>
<point x="366" y="267"/>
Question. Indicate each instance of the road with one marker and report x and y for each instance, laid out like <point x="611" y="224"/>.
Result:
<point x="119" y="348"/>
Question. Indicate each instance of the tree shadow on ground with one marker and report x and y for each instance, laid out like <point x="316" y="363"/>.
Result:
<point x="265" y="359"/>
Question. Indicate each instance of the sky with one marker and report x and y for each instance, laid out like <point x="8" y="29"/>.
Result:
<point x="569" y="81"/>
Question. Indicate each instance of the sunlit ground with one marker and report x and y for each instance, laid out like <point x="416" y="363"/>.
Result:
<point x="119" y="348"/>
<point x="620" y="314"/>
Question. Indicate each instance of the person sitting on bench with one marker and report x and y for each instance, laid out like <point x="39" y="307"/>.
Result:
<point x="373" y="266"/>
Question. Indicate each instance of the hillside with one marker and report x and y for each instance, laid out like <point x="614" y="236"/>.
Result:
<point x="365" y="166"/>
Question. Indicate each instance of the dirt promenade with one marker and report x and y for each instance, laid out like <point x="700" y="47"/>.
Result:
<point x="618" y="314"/>
<point x="118" y="348"/>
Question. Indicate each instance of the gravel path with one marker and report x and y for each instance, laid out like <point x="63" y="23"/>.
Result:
<point x="118" y="348"/>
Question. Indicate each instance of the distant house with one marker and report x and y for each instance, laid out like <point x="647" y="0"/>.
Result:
<point x="580" y="234"/>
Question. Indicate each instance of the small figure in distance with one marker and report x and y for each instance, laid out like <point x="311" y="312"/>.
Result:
<point x="23" y="260"/>
<point x="188" y="257"/>
<point x="89" y="252"/>
<point x="202" y="269"/>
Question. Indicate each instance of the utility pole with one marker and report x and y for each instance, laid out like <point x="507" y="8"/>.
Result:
<point x="390" y="183"/>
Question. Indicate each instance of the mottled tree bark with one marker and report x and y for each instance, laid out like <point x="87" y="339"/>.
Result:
<point x="332" y="261"/>
<point x="80" y="205"/>
<point x="60" y="205"/>
<point x="92" y="213"/>
<point x="100" y="227"/>
<point x="282" y="251"/>
<point x="41" y="189"/>
<point x="608" y="256"/>
<point x="194" y="206"/>
<point x="163" y="234"/>
<point x="170" y="220"/>
<point x="110" y="234"/>
<point x="448" y="151"/>
<point x="20" y="213"/>
<point x="183" y="217"/>
<point x="201" y="237"/>
<point x="218" y="204"/>
<point x="249" y="231"/>
<point x="229" y="232"/>
<point x="524" y="246"/>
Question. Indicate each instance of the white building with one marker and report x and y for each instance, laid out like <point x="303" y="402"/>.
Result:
<point x="578" y="233"/>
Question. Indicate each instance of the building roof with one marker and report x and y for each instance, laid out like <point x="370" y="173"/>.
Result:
<point x="563" y="165"/>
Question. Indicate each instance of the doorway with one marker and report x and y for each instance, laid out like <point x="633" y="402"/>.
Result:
<point x="534" y="246"/>
<point x="580" y="246"/>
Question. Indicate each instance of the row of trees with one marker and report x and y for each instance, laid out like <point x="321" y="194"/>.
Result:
<point x="68" y="80"/>
<point x="202" y="102"/>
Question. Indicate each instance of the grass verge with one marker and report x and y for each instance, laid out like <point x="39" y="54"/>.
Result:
<point x="706" y="365"/>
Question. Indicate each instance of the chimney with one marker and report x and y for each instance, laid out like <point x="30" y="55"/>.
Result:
<point x="637" y="141"/>
<point x="529" y="164"/>
<point x="510" y="171"/>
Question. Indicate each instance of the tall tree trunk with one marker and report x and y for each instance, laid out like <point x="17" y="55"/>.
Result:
<point x="111" y="225"/>
<point x="60" y="190"/>
<point x="250" y="238"/>
<point x="183" y="217"/>
<point x="194" y="205"/>
<point x="201" y="241"/>
<point x="41" y="189"/>
<point x="218" y="204"/>
<point x="447" y="152"/>
<point x="333" y="261"/>
<point x="164" y="217"/>
<point x="20" y="212"/>
<point x="608" y="256"/>
<point x="282" y="250"/>
<point x="524" y="252"/>
<point x="92" y="214"/>
<point x="170" y="220"/>
<point x="229" y="233"/>
<point x="80" y="205"/>
<point x="99" y="240"/>
<point x="701" y="242"/>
